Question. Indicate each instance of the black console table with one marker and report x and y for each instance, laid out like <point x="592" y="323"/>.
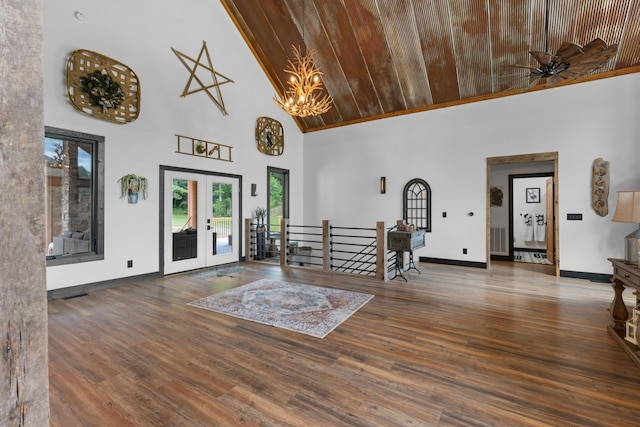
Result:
<point x="405" y="241"/>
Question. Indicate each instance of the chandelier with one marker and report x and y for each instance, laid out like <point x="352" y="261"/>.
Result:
<point x="303" y="98"/>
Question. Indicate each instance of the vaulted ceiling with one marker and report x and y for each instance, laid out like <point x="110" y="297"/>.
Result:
<point x="382" y="58"/>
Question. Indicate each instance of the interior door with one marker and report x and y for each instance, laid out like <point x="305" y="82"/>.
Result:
<point x="201" y="221"/>
<point x="550" y="226"/>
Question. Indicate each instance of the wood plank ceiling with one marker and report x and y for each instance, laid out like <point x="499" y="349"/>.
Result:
<point x="382" y="58"/>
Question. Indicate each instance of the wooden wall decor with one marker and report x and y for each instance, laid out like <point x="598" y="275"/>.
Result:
<point x="81" y="65"/>
<point x="217" y="98"/>
<point x="201" y="148"/>
<point x="269" y="136"/>
<point x="600" y="187"/>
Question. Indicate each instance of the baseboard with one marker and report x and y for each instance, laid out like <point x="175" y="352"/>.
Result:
<point x="454" y="262"/>
<point x="81" y="290"/>
<point x="593" y="277"/>
<point x="501" y="258"/>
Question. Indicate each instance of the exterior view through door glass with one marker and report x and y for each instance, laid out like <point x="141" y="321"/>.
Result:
<point x="184" y="219"/>
<point x="220" y="219"/>
<point x="278" y="195"/>
<point x="201" y="221"/>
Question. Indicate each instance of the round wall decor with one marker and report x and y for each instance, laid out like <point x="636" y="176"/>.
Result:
<point x="269" y="136"/>
<point x="102" y="87"/>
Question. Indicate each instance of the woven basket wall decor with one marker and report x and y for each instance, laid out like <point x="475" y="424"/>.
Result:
<point x="81" y="63"/>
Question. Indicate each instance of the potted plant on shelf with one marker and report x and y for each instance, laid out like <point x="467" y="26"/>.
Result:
<point x="133" y="186"/>
<point x="260" y="214"/>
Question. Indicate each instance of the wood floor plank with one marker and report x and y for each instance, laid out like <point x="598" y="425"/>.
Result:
<point x="452" y="346"/>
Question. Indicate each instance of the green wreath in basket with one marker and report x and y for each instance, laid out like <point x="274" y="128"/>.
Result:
<point x="103" y="91"/>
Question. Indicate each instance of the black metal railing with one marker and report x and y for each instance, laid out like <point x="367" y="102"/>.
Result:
<point x="304" y="245"/>
<point x="350" y="250"/>
<point x="354" y="253"/>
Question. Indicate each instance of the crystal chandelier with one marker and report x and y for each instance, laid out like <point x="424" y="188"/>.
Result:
<point x="303" y="96"/>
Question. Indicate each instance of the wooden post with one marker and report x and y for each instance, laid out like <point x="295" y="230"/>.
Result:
<point x="326" y="245"/>
<point x="24" y="383"/>
<point x="284" y="223"/>
<point x="247" y="239"/>
<point x="382" y="272"/>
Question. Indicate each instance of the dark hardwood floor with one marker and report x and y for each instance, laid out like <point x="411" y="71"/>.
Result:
<point x="454" y="346"/>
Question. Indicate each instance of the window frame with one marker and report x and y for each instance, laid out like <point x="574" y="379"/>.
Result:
<point x="97" y="216"/>
<point x="285" y="195"/>
<point x="423" y="211"/>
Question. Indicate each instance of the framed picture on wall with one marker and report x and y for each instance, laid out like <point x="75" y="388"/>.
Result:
<point x="533" y="195"/>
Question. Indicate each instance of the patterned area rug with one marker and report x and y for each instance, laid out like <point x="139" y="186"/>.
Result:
<point x="217" y="271"/>
<point x="531" y="257"/>
<point x="310" y="310"/>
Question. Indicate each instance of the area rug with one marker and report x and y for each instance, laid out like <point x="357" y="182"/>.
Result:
<point x="531" y="257"/>
<point x="310" y="310"/>
<point x="217" y="271"/>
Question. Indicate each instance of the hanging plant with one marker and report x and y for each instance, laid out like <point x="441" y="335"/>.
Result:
<point x="200" y="147"/>
<point x="103" y="91"/>
<point x="132" y="186"/>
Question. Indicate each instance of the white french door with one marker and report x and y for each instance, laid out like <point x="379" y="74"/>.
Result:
<point x="201" y="221"/>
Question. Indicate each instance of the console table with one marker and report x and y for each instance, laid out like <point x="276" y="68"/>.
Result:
<point x="405" y="241"/>
<point x="624" y="276"/>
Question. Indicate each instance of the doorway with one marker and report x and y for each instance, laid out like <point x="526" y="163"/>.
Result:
<point x="518" y="162"/>
<point x="531" y="219"/>
<point x="200" y="220"/>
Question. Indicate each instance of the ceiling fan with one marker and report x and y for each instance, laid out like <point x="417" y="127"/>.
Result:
<point x="570" y="61"/>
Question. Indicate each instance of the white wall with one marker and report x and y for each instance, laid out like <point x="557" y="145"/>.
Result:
<point x="141" y="34"/>
<point x="449" y="147"/>
<point x="341" y="167"/>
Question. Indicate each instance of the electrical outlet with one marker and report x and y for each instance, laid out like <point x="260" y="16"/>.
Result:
<point x="444" y="214"/>
<point x="464" y="251"/>
<point x="130" y="263"/>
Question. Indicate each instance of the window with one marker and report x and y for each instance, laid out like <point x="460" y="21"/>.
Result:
<point x="416" y="201"/>
<point x="74" y="196"/>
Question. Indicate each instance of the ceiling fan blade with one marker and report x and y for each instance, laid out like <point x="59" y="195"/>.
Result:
<point x="567" y="51"/>
<point x="521" y="66"/>
<point x="592" y="59"/>
<point x="596" y="44"/>
<point x="533" y="83"/>
<point x="542" y="57"/>
<point x="555" y="79"/>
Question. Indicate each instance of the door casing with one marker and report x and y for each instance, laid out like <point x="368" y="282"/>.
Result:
<point x="162" y="210"/>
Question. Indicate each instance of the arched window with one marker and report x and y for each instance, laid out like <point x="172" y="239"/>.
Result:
<point x="416" y="204"/>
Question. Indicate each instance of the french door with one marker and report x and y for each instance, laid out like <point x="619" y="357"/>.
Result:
<point x="201" y="220"/>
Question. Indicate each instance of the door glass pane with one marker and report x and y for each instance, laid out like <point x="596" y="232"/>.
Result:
<point x="184" y="219"/>
<point x="221" y="218"/>
<point x="276" y="202"/>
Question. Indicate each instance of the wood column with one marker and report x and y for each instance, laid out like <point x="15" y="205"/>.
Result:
<point x="24" y="384"/>
<point x="326" y="245"/>
<point x="381" y="251"/>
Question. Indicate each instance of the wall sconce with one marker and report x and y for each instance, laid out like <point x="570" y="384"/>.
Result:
<point x="383" y="185"/>
<point x="254" y="189"/>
